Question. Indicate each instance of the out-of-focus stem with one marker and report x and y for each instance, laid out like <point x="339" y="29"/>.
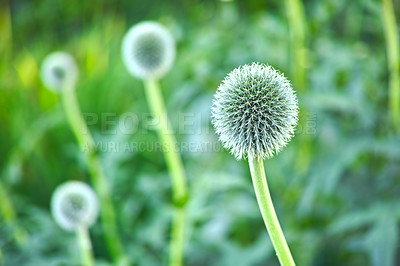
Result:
<point x="297" y="29"/>
<point x="393" y="61"/>
<point x="85" y="246"/>
<point x="175" y="168"/>
<point x="6" y="206"/>
<point x="6" y="30"/>
<point x="9" y="216"/>
<point x="87" y="145"/>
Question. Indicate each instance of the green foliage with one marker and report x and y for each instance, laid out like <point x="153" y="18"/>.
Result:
<point x="342" y="209"/>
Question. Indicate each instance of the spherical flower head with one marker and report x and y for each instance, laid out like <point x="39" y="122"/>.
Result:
<point x="74" y="204"/>
<point x="255" y="111"/>
<point x="58" y="71"/>
<point x="148" y="50"/>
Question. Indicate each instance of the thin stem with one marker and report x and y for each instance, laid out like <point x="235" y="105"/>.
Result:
<point x="87" y="145"/>
<point x="167" y="138"/>
<point x="27" y="144"/>
<point x="22" y="149"/>
<point x="393" y="61"/>
<point x="6" y="44"/>
<point x="175" y="167"/>
<point x="177" y="237"/>
<point x="268" y="212"/>
<point x="86" y="246"/>
<point x="9" y="216"/>
<point x="297" y="29"/>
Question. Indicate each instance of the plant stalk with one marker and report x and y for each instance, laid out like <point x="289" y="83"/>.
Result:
<point x="175" y="168"/>
<point x="87" y="145"/>
<point x="297" y="30"/>
<point x="10" y="217"/>
<point x="86" y="246"/>
<point x="177" y="237"/>
<point x="393" y="61"/>
<point x="268" y="212"/>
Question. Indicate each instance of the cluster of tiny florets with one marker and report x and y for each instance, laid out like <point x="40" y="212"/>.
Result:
<point x="73" y="205"/>
<point x="148" y="50"/>
<point x="255" y="111"/>
<point x="58" y="71"/>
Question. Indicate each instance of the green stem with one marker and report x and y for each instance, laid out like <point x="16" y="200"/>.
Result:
<point x="86" y="246"/>
<point x="177" y="237"/>
<point x="9" y="216"/>
<point x="87" y="145"/>
<point x="297" y="29"/>
<point x="175" y="167"/>
<point x="14" y="164"/>
<point x="393" y="61"/>
<point x="268" y="212"/>
<point x="6" y="42"/>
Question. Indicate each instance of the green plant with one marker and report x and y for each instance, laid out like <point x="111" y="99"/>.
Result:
<point x="297" y="30"/>
<point x="60" y="73"/>
<point x="148" y="51"/>
<point x="75" y="207"/>
<point x="9" y="216"/>
<point x="393" y="61"/>
<point x="254" y="113"/>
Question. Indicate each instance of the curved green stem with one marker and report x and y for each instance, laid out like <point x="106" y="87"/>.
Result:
<point x="175" y="167"/>
<point x="268" y="212"/>
<point x="393" y="61"/>
<point x="88" y="147"/>
<point x="14" y="164"/>
<point x="86" y="246"/>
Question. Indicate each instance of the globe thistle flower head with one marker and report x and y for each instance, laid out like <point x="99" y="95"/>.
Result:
<point x="148" y="50"/>
<point x="74" y="204"/>
<point x="255" y="111"/>
<point x="58" y="71"/>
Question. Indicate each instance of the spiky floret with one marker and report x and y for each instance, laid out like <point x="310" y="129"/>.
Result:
<point x="74" y="204"/>
<point x="59" y="70"/>
<point x="148" y="50"/>
<point x="255" y="111"/>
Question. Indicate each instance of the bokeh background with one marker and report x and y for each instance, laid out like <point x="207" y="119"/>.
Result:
<point x="336" y="186"/>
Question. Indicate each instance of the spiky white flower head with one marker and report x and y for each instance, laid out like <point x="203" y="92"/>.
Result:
<point x="255" y="111"/>
<point x="58" y="71"/>
<point x="74" y="204"/>
<point x="148" y="50"/>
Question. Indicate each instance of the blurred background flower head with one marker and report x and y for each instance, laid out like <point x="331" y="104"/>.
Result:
<point x="148" y="50"/>
<point x="74" y="204"/>
<point x="59" y="70"/>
